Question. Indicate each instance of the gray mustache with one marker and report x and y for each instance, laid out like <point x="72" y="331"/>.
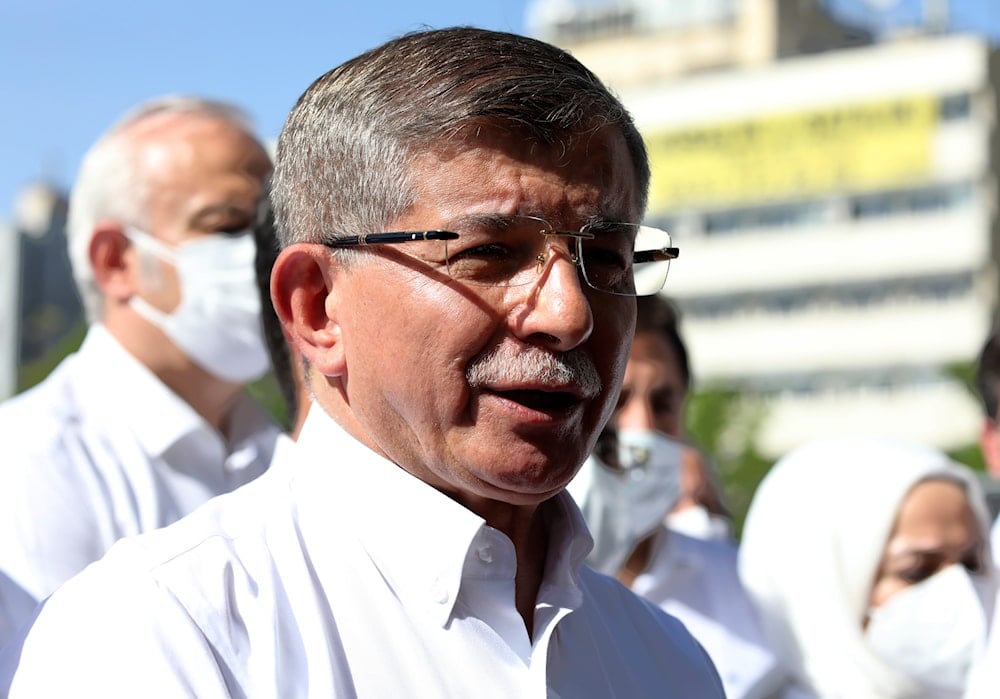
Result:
<point x="505" y="364"/>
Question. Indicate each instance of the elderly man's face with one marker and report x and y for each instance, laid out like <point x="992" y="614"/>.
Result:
<point x="411" y="334"/>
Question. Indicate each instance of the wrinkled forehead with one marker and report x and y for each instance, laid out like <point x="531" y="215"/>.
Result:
<point x="596" y="164"/>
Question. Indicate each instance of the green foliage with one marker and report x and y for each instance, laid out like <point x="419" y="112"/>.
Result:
<point x="726" y="424"/>
<point x="33" y="372"/>
<point x="971" y="455"/>
<point x="965" y="373"/>
<point x="265" y="391"/>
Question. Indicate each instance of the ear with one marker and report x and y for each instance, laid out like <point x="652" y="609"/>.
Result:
<point x="303" y="290"/>
<point x="113" y="273"/>
<point x="989" y="442"/>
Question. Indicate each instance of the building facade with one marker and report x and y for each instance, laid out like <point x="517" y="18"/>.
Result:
<point x="834" y="199"/>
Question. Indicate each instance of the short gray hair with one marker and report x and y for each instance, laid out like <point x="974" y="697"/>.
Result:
<point x="110" y="185"/>
<point x="343" y="157"/>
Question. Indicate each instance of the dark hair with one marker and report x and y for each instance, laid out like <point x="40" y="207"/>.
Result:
<point x="988" y="376"/>
<point x="658" y="314"/>
<point x="344" y="154"/>
<point x="274" y="337"/>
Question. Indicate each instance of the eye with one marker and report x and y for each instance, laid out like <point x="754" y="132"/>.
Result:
<point x="663" y="403"/>
<point x="486" y="252"/>
<point x="605" y="258"/>
<point x="973" y="562"/>
<point x="488" y="263"/>
<point x="917" y="574"/>
<point x="232" y="230"/>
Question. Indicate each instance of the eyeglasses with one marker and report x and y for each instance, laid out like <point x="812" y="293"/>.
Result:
<point x="624" y="259"/>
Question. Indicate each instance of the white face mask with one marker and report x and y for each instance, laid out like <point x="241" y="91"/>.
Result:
<point x="699" y="523"/>
<point x="652" y="463"/>
<point x="217" y="322"/>
<point x="932" y="632"/>
<point x="622" y="507"/>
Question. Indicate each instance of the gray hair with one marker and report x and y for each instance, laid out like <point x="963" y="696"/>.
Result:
<point x="111" y="185"/>
<point x="342" y="164"/>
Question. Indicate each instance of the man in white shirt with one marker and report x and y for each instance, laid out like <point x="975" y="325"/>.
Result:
<point x="149" y="419"/>
<point x="627" y="495"/>
<point x="458" y="211"/>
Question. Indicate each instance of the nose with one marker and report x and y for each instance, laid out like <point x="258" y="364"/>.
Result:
<point x="554" y="311"/>
<point x="635" y="414"/>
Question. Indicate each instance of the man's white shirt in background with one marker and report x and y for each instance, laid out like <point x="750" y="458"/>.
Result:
<point x="101" y="450"/>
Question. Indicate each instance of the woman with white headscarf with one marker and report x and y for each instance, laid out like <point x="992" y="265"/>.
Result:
<point x="867" y="561"/>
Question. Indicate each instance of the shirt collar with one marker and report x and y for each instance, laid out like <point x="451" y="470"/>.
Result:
<point x="419" y="538"/>
<point x="135" y="393"/>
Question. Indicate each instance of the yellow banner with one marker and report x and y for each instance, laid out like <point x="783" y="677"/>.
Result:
<point x="859" y="146"/>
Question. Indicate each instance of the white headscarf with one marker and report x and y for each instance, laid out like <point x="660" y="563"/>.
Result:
<point x="811" y="547"/>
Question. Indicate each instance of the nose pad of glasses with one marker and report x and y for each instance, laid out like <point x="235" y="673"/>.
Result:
<point x="543" y="257"/>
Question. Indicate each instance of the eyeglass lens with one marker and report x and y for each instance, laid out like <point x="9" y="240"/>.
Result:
<point x="513" y="250"/>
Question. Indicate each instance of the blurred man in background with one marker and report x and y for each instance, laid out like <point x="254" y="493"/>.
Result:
<point x="286" y="362"/>
<point x="149" y="419"/>
<point x="988" y="383"/>
<point x="646" y="468"/>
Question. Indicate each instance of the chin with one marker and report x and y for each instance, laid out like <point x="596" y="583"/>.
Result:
<point x="534" y="480"/>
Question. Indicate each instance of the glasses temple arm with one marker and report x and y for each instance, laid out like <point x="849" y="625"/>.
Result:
<point x="661" y="255"/>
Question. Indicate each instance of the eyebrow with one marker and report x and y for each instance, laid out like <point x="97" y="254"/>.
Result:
<point x="974" y="547"/>
<point x="223" y="210"/>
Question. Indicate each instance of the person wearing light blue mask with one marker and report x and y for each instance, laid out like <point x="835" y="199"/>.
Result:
<point x="640" y="471"/>
<point x="149" y="419"/>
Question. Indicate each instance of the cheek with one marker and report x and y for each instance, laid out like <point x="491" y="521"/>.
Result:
<point x="159" y="283"/>
<point x="425" y="339"/>
<point x="669" y="423"/>
<point x="609" y="348"/>
<point x="612" y="341"/>
<point x="885" y="589"/>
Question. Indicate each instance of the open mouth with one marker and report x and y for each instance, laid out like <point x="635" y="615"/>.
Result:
<point x="542" y="401"/>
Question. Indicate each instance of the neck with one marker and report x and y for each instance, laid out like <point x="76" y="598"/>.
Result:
<point x="528" y="532"/>
<point x="638" y="561"/>
<point x="523" y="524"/>
<point x="207" y="395"/>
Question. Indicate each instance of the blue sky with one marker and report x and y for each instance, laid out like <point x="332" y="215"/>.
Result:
<point x="69" y="68"/>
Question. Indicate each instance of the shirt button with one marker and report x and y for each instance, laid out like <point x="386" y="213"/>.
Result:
<point x="485" y="554"/>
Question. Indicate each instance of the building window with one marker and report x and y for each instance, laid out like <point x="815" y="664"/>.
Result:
<point x="954" y="107"/>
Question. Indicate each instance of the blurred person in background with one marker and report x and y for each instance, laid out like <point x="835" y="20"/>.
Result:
<point x="868" y="563"/>
<point x="984" y="682"/>
<point x="988" y="383"/>
<point x="701" y="511"/>
<point x="149" y="419"/>
<point x="636" y="476"/>
<point x="286" y="362"/>
<point x="654" y="396"/>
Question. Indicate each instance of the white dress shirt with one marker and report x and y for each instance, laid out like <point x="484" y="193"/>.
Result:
<point x="697" y="580"/>
<point x="100" y="450"/>
<point x="338" y="574"/>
